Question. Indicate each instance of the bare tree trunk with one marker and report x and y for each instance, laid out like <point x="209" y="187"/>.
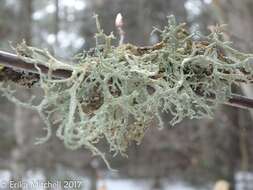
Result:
<point x="21" y="115"/>
<point x="18" y="166"/>
<point x="157" y="184"/>
<point x="93" y="179"/>
<point x="57" y="21"/>
<point x="25" y="28"/>
<point x="93" y="176"/>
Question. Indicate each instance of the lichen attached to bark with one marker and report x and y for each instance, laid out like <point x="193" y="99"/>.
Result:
<point x="117" y="92"/>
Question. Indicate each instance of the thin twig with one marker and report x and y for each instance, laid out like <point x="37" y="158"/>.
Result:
<point x="16" y="63"/>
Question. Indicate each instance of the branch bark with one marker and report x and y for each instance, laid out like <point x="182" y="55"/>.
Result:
<point x="16" y="63"/>
<point x="13" y="61"/>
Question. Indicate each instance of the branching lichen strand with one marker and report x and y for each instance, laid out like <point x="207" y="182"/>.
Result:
<point x="116" y="93"/>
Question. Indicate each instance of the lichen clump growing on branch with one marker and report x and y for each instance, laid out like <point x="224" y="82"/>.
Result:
<point x="117" y="92"/>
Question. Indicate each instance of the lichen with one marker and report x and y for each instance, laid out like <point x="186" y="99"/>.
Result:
<point x="116" y="93"/>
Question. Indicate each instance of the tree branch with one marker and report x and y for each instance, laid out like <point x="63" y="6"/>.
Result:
<point x="13" y="61"/>
<point x="16" y="63"/>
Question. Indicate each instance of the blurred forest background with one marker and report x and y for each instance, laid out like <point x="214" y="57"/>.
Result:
<point x="195" y="152"/>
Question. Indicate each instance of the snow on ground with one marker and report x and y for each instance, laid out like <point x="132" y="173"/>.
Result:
<point x="37" y="178"/>
<point x="125" y="184"/>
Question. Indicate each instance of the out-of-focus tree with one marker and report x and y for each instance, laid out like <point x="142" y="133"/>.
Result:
<point x="22" y="117"/>
<point x="238" y="15"/>
<point x="57" y="21"/>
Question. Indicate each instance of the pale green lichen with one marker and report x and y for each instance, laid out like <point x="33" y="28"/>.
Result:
<point x="117" y="92"/>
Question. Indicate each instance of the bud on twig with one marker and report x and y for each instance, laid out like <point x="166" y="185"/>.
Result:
<point x="119" y="25"/>
<point x="119" y="20"/>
